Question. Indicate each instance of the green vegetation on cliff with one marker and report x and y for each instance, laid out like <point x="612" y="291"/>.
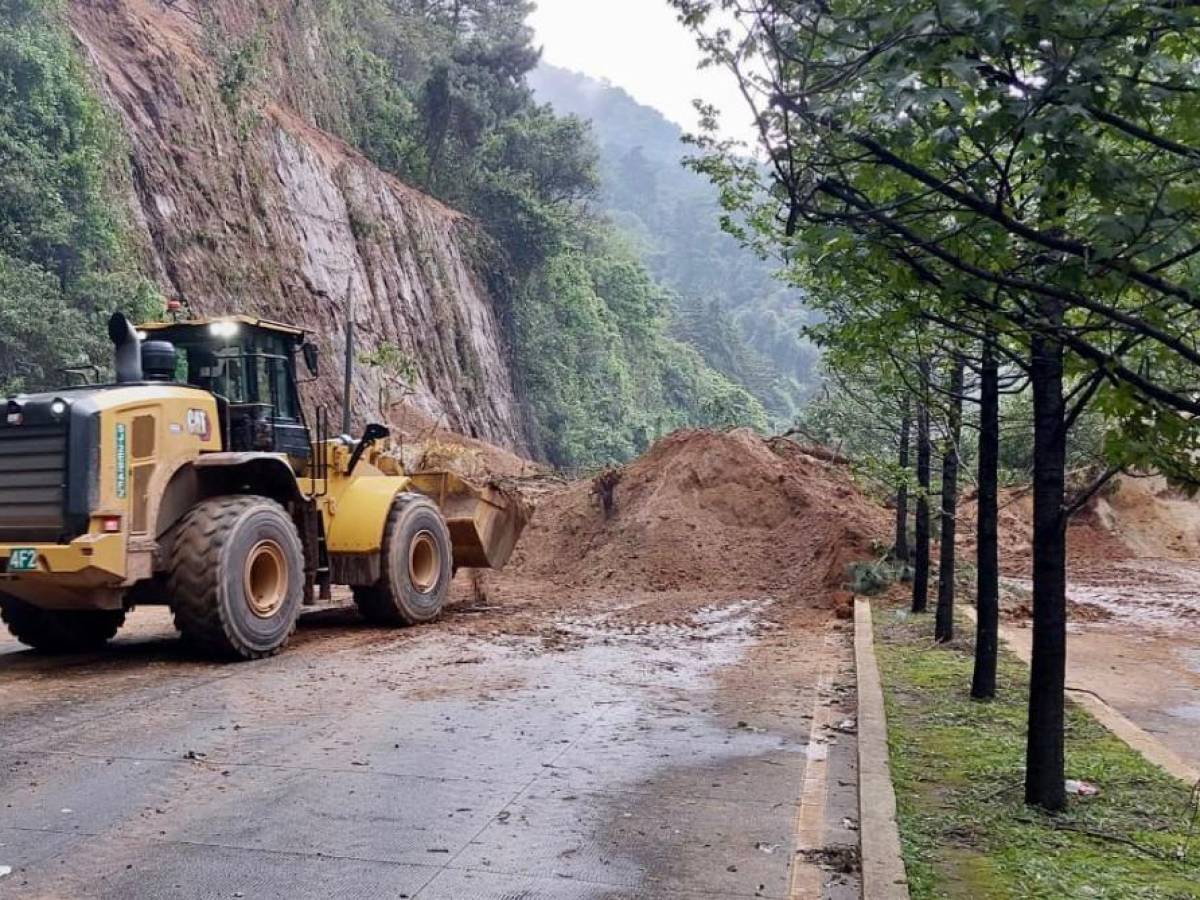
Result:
<point x="603" y="378"/>
<point x="433" y="91"/>
<point x="65" y="249"/>
<point x="730" y="306"/>
<point x="437" y="92"/>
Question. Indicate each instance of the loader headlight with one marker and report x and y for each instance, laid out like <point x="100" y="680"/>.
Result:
<point x="223" y="329"/>
<point x="57" y="408"/>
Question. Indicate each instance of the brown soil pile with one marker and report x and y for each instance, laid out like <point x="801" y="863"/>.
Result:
<point x="723" y="515"/>
<point x="1133" y="518"/>
<point x="426" y="445"/>
<point x="1151" y="519"/>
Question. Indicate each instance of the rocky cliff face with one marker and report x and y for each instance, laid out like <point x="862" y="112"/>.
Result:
<point x="251" y="207"/>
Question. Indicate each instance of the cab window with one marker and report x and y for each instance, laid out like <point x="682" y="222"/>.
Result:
<point x="255" y="369"/>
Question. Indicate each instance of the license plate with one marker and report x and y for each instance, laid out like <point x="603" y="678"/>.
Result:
<point x="23" y="559"/>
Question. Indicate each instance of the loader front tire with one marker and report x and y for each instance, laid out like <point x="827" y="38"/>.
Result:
<point x="237" y="577"/>
<point x="418" y="560"/>
<point x="59" y="631"/>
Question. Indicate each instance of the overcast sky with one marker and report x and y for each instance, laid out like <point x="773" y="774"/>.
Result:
<point x="639" y="45"/>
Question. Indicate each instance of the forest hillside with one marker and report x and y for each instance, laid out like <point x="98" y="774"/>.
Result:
<point x="729" y="303"/>
<point x="311" y="161"/>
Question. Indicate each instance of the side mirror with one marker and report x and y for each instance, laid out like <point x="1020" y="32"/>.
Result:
<point x="312" y="359"/>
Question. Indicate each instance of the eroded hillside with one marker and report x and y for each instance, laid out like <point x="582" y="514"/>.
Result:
<point x="246" y="205"/>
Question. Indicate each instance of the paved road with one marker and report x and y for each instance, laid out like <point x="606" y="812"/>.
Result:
<point x="586" y="759"/>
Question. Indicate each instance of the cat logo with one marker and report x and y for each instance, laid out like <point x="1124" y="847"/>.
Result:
<point x="198" y="424"/>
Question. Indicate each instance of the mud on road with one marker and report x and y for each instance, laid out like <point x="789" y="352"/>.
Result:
<point x="656" y="704"/>
<point x="497" y="754"/>
<point x="1134" y="641"/>
<point x="1133" y="606"/>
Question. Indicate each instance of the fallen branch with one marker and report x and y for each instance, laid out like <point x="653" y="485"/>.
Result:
<point x="817" y="451"/>
<point x="1113" y="838"/>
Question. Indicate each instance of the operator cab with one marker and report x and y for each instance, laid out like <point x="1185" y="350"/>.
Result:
<point x="249" y="365"/>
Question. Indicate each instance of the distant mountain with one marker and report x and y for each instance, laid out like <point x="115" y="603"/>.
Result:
<point x="744" y="320"/>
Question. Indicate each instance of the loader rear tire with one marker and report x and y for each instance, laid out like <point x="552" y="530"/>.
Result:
<point x="418" y="560"/>
<point x="237" y="577"/>
<point x="59" y="631"/>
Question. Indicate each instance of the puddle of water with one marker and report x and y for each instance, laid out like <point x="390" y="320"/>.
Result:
<point x="1189" y="711"/>
<point x="1148" y="592"/>
<point x="1191" y="659"/>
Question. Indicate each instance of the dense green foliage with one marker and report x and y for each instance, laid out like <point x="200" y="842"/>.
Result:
<point x="957" y="766"/>
<point x="65" y="254"/>
<point x="437" y="92"/>
<point x="983" y="166"/>
<point x="860" y="415"/>
<point x="744" y="321"/>
<point x="607" y="381"/>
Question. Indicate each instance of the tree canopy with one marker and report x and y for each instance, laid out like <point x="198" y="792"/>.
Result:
<point x="1016" y="177"/>
<point x="66" y="252"/>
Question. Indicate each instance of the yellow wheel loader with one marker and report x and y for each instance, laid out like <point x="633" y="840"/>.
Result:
<point x="196" y="480"/>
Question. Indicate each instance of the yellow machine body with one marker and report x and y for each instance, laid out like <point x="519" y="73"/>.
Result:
<point x="94" y="479"/>
<point x="484" y="522"/>
<point x="145" y="434"/>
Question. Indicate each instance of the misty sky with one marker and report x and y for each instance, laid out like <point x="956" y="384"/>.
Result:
<point x="638" y="45"/>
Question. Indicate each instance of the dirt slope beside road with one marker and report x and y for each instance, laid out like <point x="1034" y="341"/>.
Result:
<point x="1132" y="518"/>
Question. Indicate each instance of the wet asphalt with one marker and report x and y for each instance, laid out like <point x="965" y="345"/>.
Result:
<point x="589" y="760"/>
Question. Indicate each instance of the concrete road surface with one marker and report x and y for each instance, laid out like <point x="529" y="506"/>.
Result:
<point x="584" y="758"/>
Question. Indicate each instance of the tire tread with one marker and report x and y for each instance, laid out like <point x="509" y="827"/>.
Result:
<point x="375" y="602"/>
<point x="194" y="558"/>
<point x="55" y="631"/>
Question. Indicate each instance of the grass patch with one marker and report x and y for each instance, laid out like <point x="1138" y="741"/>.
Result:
<point x="958" y="770"/>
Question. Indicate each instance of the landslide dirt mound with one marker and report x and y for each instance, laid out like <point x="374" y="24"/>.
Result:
<point x="1133" y="518"/>
<point x="723" y="515"/>
<point x="1152" y="519"/>
<point x="1088" y="538"/>
<point x="427" y="445"/>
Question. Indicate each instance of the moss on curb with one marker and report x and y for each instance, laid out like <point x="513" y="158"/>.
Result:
<point x="958" y="766"/>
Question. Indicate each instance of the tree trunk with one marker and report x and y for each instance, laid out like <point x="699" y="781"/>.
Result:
<point x="944" y="628"/>
<point x="920" y="597"/>
<point x="1044" y="765"/>
<point x="901" y="551"/>
<point x="987" y="562"/>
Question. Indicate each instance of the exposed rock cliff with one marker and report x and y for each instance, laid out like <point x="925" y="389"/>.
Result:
<point x="251" y="207"/>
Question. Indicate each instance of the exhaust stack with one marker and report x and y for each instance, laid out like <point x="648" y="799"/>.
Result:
<point x="128" y="350"/>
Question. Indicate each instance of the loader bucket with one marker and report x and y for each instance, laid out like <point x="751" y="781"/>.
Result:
<point x="484" y="523"/>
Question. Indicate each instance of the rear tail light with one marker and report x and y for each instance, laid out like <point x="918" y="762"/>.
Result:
<point x="110" y="524"/>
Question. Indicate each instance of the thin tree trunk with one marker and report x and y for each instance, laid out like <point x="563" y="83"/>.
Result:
<point x="944" y="628"/>
<point x="987" y="561"/>
<point x="1044" y="764"/>
<point x="920" y="599"/>
<point x="901" y="551"/>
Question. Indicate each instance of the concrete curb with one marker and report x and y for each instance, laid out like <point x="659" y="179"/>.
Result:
<point x="883" y="876"/>
<point x="1152" y="749"/>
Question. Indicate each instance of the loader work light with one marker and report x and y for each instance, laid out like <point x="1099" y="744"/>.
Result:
<point x="223" y="329"/>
